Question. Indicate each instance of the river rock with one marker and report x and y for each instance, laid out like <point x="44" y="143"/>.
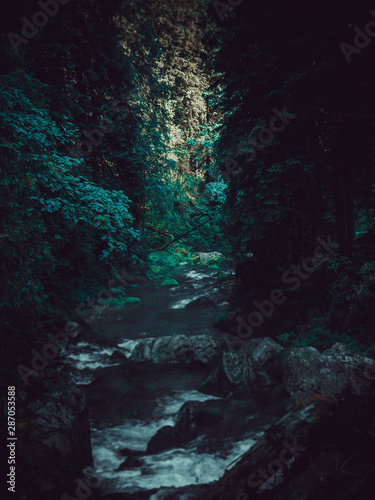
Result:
<point x="195" y="415"/>
<point x="118" y="357"/>
<point x="249" y="363"/>
<point x="166" y="438"/>
<point x="256" y="363"/>
<point x="205" y="257"/>
<point x="200" y="303"/>
<point x="131" y="462"/>
<point x="178" y="349"/>
<point x="333" y="372"/>
<point x="195" y="418"/>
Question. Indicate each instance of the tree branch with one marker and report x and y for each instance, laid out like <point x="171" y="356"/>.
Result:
<point x="158" y="230"/>
<point x="178" y="238"/>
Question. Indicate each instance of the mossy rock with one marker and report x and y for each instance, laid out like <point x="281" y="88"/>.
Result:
<point x="169" y="283"/>
<point x="214" y="266"/>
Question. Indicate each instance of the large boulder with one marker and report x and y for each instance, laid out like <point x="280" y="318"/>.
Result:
<point x="62" y="425"/>
<point x="53" y="438"/>
<point x="178" y="349"/>
<point x="255" y="361"/>
<point x="335" y="371"/>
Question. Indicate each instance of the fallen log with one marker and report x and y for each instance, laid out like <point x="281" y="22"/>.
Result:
<point x="278" y="455"/>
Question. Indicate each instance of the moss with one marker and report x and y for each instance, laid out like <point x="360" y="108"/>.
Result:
<point x="168" y="283"/>
<point x="165" y="260"/>
<point x="155" y="271"/>
<point x="160" y="263"/>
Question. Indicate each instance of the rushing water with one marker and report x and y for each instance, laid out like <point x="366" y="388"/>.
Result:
<point x="129" y="404"/>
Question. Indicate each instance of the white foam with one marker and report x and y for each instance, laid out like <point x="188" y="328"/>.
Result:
<point x="197" y="275"/>
<point x="177" y="467"/>
<point x="85" y="356"/>
<point x="182" y="303"/>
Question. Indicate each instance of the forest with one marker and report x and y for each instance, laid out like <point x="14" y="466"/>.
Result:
<point x="187" y="228"/>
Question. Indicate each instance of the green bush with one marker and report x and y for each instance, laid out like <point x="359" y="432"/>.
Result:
<point x="320" y="338"/>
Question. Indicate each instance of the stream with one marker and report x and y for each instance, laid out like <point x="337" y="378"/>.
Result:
<point x="128" y="403"/>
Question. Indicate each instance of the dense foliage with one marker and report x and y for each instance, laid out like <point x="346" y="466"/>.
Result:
<point x="309" y="172"/>
<point x="131" y="127"/>
<point x="97" y="159"/>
